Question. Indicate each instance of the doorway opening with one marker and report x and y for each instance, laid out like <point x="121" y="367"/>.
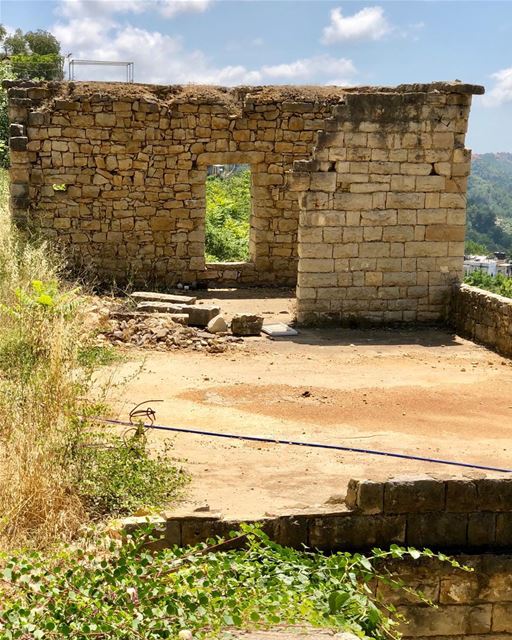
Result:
<point x="228" y="213"/>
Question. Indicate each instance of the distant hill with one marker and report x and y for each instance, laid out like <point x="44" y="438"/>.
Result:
<point x="490" y="201"/>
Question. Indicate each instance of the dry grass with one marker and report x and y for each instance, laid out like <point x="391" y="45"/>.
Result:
<point x="40" y="390"/>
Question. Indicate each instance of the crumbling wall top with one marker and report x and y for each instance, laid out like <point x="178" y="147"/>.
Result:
<point x="210" y="94"/>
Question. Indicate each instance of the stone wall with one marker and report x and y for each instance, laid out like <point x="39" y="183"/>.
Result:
<point x="117" y="172"/>
<point x="134" y="161"/>
<point x="383" y="207"/>
<point x="469" y="517"/>
<point x="483" y="317"/>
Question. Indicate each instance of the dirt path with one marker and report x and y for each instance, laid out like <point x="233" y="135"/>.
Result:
<point x="423" y="392"/>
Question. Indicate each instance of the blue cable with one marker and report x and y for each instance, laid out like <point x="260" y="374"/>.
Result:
<point x="298" y="443"/>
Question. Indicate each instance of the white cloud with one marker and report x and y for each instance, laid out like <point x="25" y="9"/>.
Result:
<point x="162" y="59"/>
<point x="367" y="24"/>
<point x="502" y="90"/>
<point x="98" y="8"/>
<point x="168" y="8"/>
<point x="310" y="68"/>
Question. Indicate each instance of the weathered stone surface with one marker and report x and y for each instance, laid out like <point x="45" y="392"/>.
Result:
<point x="200" y="316"/>
<point x="437" y="530"/>
<point x="18" y="143"/>
<point x="217" y="325"/>
<point x="246" y="324"/>
<point x="372" y="213"/>
<point x="413" y="495"/>
<point x="483" y="316"/>
<point x="366" y="496"/>
<point x="150" y="296"/>
<point x="159" y="307"/>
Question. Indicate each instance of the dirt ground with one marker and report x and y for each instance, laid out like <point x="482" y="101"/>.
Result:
<point x="424" y="392"/>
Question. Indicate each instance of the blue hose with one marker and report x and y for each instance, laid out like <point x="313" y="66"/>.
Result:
<point x="298" y="443"/>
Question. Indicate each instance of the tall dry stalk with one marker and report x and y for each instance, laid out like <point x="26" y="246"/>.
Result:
<point x="40" y="387"/>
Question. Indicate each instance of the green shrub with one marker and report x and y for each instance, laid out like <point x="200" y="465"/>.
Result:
<point x="499" y="284"/>
<point x="228" y="210"/>
<point x="127" y="593"/>
<point x="114" y="477"/>
<point x="93" y="355"/>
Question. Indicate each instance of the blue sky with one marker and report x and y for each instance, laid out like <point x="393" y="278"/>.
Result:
<point x="294" y="42"/>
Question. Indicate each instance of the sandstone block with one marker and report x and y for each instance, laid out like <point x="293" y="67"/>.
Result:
<point x="353" y="201"/>
<point x="405" y="200"/>
<point x="105" y="119"/>
<point x="246" y="324"/>
<point x="18" y="143"/>
<point x="365" y="496"/>
<point x="413" y="495"/>
<point x="150" y="296"/>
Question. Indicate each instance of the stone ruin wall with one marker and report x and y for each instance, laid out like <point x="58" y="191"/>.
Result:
<point x="469" y="517"/>
<point x="135" y="157"/>
<point x="383" y="208"/>
<point x="358" y="195"/>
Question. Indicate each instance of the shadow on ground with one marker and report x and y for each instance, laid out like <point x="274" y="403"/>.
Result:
<point x="336" y="336"/>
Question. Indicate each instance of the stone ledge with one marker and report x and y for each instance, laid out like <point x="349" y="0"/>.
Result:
<point x="483" y="317"/>
<point x="398" y="511"/>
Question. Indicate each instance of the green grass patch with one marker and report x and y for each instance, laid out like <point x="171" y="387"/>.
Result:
<point x="93" y="356"/>
<point x="117" y="477"/>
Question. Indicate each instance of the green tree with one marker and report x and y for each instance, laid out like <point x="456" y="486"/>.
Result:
<point x="34" y="55"/>
<point x="15" y="44"/>
<point x="490" y="201"/>
<point x="42" y="42"/>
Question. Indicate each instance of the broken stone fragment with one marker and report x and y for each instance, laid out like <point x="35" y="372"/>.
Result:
<point x="217" y="325"/>
<point x="152" y="296"/>
<point x="246" y="324"/>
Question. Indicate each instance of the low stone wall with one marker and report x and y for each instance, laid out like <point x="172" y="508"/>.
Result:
<point x="456" y="515"/>
<point x="483" y="317"/>
<point x="475" y="604"/>
<point x="469" y="517"/>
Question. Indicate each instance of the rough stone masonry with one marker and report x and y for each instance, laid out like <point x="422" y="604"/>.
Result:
<point x="358" y="195"/>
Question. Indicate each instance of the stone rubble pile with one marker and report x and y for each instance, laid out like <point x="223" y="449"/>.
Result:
<point x="164" y="333"/>
<point x="168" y="322"/>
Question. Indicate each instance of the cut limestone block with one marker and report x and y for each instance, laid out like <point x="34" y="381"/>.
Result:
<point x="152" y="296"/>
<point x="246" y="324"/>
<point x="179" y="318"/>
<point x="160" y="307"/>
<point x="200" y="316"/>
<point x="217" y="325"/>
<point x="279" y="330"/>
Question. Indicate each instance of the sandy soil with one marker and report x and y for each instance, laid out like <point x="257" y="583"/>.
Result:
<point x="423" y="392"/>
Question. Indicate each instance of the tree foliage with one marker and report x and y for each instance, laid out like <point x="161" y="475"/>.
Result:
<point x="34" y="55"/>
<point x="499" y="283"/>
<point x="228" y="211"/>
<point x="490" y="201"/>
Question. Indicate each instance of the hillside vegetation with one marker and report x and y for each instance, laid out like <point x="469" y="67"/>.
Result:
<point x="490" y="201"/>
<point x="228" y="210"/>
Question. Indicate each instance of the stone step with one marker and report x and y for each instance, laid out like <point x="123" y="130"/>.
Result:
<point x="180" y="318"/>
<point x="154" y="296"/>
<point x="198" y="316"/>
